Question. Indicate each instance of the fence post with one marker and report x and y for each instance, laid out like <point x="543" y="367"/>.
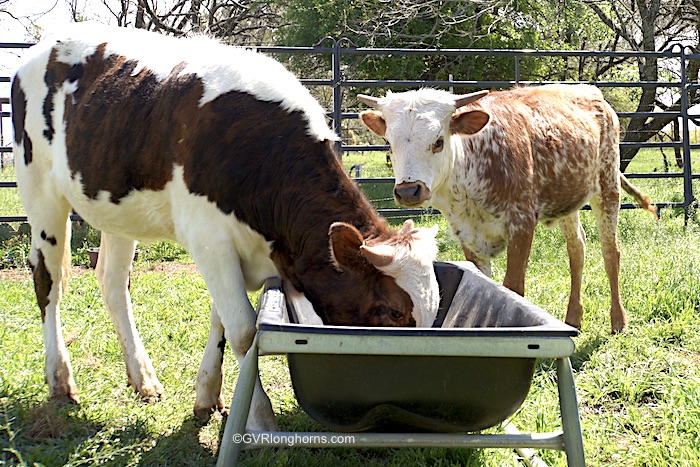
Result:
<point x="688" y="198"/>
<point x="337" y="95"/>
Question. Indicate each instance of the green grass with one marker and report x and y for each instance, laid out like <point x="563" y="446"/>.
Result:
<point x="639" y="392"/>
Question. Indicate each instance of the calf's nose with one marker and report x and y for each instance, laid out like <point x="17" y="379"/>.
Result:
<point x="411" y="193"/>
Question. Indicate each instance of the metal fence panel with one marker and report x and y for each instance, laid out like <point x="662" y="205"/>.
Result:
<point x="340" y="111"/>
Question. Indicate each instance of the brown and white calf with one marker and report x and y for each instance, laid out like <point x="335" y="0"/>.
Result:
<point x="222" y="150"/>
<point x="495" y="164"/>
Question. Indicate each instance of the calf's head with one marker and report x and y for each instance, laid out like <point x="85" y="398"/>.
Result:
<point x="383" y="281"/>
<point x="419" y="127"/>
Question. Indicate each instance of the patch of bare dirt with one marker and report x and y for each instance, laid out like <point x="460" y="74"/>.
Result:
<point x="20" y="274"/>
<point x="23" y="274"/>
<point x="55" y="419"/>
<point x="170" y="268"/>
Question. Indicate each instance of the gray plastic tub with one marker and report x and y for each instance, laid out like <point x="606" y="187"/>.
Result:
<point x="470" y="371"/>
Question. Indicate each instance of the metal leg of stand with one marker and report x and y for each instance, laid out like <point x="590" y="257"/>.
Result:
<point x="571" y="424"/>
<point x="240" y="407"/>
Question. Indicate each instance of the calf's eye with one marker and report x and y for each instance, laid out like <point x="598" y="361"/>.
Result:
<point x="396" y="314"/>
<point x="439" y="145"/>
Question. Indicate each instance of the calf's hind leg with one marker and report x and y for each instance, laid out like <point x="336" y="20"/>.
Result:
<point x="49" y="256"/>
<point x="113" y="267"/>
<point x="576" y="247"/>
<point x="606" y="208"/>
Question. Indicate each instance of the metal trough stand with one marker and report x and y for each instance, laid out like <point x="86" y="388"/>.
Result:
<point x="493" y="339"/>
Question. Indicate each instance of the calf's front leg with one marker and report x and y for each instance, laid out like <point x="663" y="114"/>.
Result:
<point x="484" y="264"/>
<point x="209" y="376"/>
<point x="113" y="268"/>
<point x="519" y="245"/>
<point x="222" y="273"/>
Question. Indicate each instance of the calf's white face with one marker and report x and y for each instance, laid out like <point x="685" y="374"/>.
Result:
<point x="419" y="126"/>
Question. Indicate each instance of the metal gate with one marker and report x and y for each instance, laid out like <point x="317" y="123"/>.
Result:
<point x="340" y="83"/>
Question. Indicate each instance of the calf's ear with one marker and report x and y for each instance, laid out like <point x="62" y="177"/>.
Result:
<point x="407" y="228"/>
<point x="351" y="253"/>
<point x="469" y="122"/>
<point x="379" y="255"/>
<point x="345" y="242"/>
<point x="374" y="121"/>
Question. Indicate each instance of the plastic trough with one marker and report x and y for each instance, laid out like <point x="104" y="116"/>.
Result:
<point x="470" y="371"/>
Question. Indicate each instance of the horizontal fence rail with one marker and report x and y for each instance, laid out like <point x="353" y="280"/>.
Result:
<point x="339" y="83"/>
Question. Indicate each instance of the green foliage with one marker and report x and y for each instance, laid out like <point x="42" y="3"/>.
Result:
<point x="15" y="252"/>
<point x="532" y="24"/>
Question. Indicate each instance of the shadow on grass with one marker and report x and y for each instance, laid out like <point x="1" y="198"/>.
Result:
<point x="586" y="346"/>
<point x="56" y="433"/>
<point x="47" y="432"/>
<point x="181" y="447"/>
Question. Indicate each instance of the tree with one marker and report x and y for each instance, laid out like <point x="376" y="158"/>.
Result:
<point x="651" y="25"/>
<point x="484" y="24"/>
<point x="239" y="22"/>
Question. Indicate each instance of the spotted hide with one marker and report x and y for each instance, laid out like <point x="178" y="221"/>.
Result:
<point x="496" y="164"/>
<point x="222" y="150"/>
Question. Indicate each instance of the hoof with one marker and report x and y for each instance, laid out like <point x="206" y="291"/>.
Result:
<point x="66" y="398"/>
<point x="151" y="398"/>
<point x="573" y="325"/>
<point x="149" y="394"/>
<point x="204" y="414"/>
<point x="67" y="393"/>
<point x="262" y="425"/>
<point x="618" y="329"/>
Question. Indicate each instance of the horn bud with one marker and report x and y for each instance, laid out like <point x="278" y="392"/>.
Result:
<point x="465" y="99"/>
<point x="369" y="100"/>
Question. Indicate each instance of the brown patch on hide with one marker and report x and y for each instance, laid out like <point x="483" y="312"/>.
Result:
<point x="19" y="114"/>
<point x="42" y="285"/>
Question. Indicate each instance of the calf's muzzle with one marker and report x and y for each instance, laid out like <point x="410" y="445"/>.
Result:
<point x="411" y="193"/>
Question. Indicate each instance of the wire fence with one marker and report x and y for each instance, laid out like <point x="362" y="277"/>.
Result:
<point x="666" y="156"/>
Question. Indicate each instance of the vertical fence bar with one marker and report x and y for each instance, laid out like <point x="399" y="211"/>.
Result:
<point x="337" y="95"/>
<point x="688" y="198"/>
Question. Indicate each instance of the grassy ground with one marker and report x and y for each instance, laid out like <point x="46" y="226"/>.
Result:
<point x="639" y="392"/>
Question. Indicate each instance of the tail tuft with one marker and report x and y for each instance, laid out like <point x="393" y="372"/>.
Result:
<point x="643" y="200"/>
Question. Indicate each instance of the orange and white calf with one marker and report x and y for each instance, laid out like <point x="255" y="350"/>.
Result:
<point x="222" y="150"/>
<point x="495" y="164"/>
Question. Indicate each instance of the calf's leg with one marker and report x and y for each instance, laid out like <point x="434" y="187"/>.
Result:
<point x="209" y="376"/>
<point x="484" y="264"/>
<point x="576" y="247"/>
<point x="519" y="245"/>
<point x="221" y="270"/>
<point x="606" y="208"/>
<point x="113" y="268"/>
<point x="49" y="256"/>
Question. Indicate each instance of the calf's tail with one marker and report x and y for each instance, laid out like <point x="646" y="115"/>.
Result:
<point x="643" y="200"/>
